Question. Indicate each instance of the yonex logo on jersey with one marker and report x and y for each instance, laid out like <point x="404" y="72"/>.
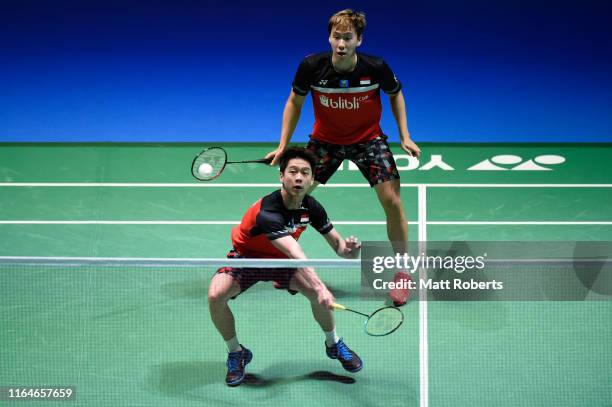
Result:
<point x="323" y="82"/>
<point x="341" y="103"/>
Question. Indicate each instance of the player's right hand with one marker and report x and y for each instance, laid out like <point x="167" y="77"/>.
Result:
<point x="326" y="298"/>
<point x="275" y="156"/>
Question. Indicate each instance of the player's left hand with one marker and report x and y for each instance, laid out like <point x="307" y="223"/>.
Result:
<point x="352" y="247"/>
<point x="411" y="148"/>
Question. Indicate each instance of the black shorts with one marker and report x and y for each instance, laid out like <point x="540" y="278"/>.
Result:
<point x="247" y="277"/>
<point x="373" y="158"/>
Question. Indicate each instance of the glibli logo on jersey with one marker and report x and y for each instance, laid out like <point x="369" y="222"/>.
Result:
<point x="341" y="103"/>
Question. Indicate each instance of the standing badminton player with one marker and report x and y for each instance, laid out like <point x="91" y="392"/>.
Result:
<point x="345" y="89"/>
<point x="270" y="229"/>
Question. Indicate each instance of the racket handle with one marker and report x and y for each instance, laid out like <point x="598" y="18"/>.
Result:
<point x="338" y="307"/>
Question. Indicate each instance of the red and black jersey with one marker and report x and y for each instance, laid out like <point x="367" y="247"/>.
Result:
<point x="269" y="219"/>
<point x="347" y="105"/>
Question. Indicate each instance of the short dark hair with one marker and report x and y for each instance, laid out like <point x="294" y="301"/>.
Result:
<point x="297" y="152"/>
<point x="346" y="19"/>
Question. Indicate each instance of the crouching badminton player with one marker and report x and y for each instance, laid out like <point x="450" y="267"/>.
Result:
<point x="270" y="229"/>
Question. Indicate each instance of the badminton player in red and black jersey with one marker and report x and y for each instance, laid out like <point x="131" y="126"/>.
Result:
<point x="271" y="229"/>
<point x="345" y="87"/>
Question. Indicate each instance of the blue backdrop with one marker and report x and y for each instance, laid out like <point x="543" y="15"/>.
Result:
<point x="212" y="71"/>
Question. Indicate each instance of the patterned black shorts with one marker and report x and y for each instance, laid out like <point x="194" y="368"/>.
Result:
<point x="373" y="158"/>
<point x="247" y="277"/>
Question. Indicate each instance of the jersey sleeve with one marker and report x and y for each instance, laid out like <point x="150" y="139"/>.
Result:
<point x="319" y="219"/>
<point x="303" y="79"/>
<point x="272" y="225"/>
<point x="388" y="82"/>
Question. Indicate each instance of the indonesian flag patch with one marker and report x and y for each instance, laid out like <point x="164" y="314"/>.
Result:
<point x="364" y="80"/>
<point x="304" y="218"/>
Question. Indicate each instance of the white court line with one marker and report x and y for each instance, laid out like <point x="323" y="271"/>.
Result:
<point x="235" y="222"/>
<point x="513" y="185"/>
<point x="423" y="326"/>
<point x="117" y="222"/>
<point x="277" y="185"/>
<point x="519" y="222"/>
<point x="163" y="222"/>
<point x="134" y="185"/>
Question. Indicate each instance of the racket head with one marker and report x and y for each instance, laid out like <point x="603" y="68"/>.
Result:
<point x="216" y="157"/>
<point x="384" y="321"/>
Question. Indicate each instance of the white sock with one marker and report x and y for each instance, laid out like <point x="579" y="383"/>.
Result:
<point x="233" y="345"/>
<point x="331" y="337"/>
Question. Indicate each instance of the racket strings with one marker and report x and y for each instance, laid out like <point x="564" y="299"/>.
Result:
<point x="209" y="164"/>
<point x="384" y="321"/>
